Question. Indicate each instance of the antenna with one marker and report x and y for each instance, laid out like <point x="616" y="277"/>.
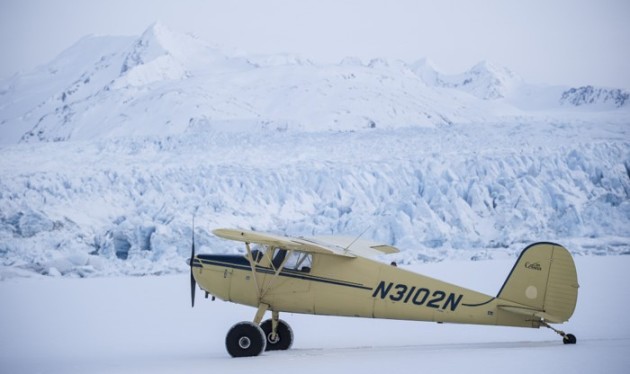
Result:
<point x="357" y="238"/>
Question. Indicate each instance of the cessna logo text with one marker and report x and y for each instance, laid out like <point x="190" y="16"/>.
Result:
<point x="417" y="295"/>
<point x="533" y="266"/>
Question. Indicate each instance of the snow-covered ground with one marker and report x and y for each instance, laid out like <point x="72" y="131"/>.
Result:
<point x="146" y="325"/>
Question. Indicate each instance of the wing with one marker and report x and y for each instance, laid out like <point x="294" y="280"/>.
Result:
<point x="361" y="247"/>
<point x="298" y="244"/>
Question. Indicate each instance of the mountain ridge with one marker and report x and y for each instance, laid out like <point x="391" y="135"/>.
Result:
<point x="111" y="86"/>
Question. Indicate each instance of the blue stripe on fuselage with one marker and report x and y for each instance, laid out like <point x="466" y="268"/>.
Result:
<point x="242" y="263"/>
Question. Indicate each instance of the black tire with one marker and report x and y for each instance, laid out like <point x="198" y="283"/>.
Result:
<point x="569" y="339"/>
<point x="285" y="336"/>
<point x="245" y="339"/>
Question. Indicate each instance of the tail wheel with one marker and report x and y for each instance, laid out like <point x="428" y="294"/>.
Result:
<point x="284" y="335"/>
<point x="245" y="339"/>
<point x="569" y="339"/>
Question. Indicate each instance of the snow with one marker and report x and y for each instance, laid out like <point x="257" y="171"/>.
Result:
<point x="484" y="80"/>
<point x="145" y="324"/>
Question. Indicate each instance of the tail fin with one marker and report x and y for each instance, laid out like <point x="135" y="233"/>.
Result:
<point x="544" y="281"/>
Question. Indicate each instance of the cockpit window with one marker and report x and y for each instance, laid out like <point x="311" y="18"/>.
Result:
<point x="257" y="252"/>
<point x="257" y="255"/>
<point x="278" y="257"/>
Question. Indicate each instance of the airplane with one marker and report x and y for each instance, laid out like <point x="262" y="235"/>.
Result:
<point x="338" y="275"/>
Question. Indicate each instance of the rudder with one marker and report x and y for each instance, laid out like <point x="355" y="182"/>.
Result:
<point x="544" y="280"/>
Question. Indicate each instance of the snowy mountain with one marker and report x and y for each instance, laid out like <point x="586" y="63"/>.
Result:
<point x="589" y="95"/>
<point x="163" y="81"/>
<point x="484" y="80"/>
<point x="107" y="151"/>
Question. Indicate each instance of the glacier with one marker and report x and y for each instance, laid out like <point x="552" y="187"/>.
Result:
<point x="108" y="151"/>
<point x="126" y="205"/>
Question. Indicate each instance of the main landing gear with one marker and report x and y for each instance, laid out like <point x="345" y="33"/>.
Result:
<point x="566" y="338"/>
<point x="246" y="339"/>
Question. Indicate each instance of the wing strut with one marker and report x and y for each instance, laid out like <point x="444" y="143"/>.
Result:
<point x="252" y="264"/>
<point x="275" y="275"/>
<point x="263" y="289"/>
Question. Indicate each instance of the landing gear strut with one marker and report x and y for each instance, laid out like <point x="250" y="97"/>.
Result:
<point x="283" y="337"/>
<point x="566" y="338"/>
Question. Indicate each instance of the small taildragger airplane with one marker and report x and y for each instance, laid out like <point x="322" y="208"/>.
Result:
<point x="335" y="275"/>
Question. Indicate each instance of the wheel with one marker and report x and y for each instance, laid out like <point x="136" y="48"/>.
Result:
<point x="245" y="339"/>
<point x="569" y="339"/>
<point x="284" y="338"/>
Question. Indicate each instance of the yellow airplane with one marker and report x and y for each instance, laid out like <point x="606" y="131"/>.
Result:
<point x="335" y="275"/>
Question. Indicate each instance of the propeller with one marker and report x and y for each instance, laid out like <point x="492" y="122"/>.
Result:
<point x="193" y="284"/>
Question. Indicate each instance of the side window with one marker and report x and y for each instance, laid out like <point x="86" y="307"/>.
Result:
<point x="300" y="261"/>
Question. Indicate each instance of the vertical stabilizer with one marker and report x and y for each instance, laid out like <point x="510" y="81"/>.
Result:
<point x="544" y="280"/>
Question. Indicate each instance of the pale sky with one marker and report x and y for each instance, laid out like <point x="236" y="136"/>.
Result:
<point x="572" y="42"/>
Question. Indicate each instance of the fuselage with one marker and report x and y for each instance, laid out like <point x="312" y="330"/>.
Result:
<point x="359" y="287"/>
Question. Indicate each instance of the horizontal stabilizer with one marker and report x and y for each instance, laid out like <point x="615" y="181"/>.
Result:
<point x="387" y="249"/>
<point x="537" y="314"/>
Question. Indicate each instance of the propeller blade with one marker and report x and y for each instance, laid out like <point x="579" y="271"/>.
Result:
<point x="193" y="284"/>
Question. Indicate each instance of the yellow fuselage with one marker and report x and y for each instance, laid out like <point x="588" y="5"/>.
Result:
<point x="358" y="287"/>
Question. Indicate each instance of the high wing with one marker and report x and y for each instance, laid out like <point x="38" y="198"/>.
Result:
<point x="361" y="247"/>
<point x="298" y="244"/>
